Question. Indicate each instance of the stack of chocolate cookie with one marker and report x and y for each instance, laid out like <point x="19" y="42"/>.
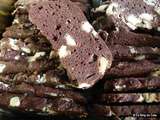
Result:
<point x="131" y="30"/>
<point x="53" y="61"/>
<point x="31" y="76"/>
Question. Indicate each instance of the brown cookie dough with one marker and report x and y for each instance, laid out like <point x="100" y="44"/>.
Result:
<point x="41" y="91"/>
<point x="134" y="53"/>
<point x="124" y="110"/>
<point x="132" y="69"/>
<point x="123" y="98"/>
<point x="82" y="52"/>
<point x="25" y="103"/>
<point x="132" y="84"/>
<point x="53" y="78"/>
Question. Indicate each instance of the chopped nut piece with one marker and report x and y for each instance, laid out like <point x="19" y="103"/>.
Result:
<point x="36" y="56"/>
<point x="2" y="67"/>
<point x="63" y="52"/>
<point x="15" y="102"/>
<point x="103" y="65"/>
<point x="70" y="40"/>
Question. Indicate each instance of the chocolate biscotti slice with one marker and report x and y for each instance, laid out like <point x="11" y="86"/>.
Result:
<point x="132" y="84"/>
<point x="122" y="36"/>
<point x="124" y="53"/>
<point x="42" y="91"/>
<point x="134" y="14"/>
<point x="26" y="53"/>
<point x="124" y="98"/>
<point x="132" y="69"/>
<point x="82" y="52"/>
<point x="53" y="78"/>
<point x="134" y="23"/>
<point x="26" y="50"/>
<point x="26" y="103"/>
<point x="125" y="110"/>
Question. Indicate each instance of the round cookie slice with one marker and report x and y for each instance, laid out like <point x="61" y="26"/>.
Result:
<point x="135" y="14"/>
<point x="82" y="52"/>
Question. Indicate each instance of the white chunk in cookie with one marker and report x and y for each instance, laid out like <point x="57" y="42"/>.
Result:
<point x="26" y="50"/>
<point x="63" y="51"/>
<point x="60" y="86"/>
<point x="17" y="57"/>
<point x="133" y="21"/>
<point x="4" y="85"/>
<point x="150" y="97"/>
<point x="132" y="50"/>
<point x="15" y="102"/>
<point x="94" y="33"/>
<point x="41" y="79"/>
<point x="2" y="68"/>
<point x="157" y="9"/>
<point x="120" y="87"/>
<point x="150" y="2"/>
<point x="66" y="99"/>
<point x="70" y="40"/>
<point x="140" y="57"/>
<point x="141" y="98"/>
<point x="155" y="49"/>
<point x="84" y="85"/>
<point x="52" y="94"/>
<point x="112" y="9"/>
<point x="146" y="16"/>
<point x="13" y="44"/>
<point x="16" y="21"/>
<point x="36" y="56"/>
<point x="103" y="65"/>
<point x="158" y="29"/>
<point x="144" y="20"/>
<point x="88" y="28"/>
<point x="101" y="8"/>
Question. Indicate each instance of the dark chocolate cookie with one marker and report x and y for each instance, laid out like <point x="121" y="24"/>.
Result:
<point x="132" y="69"/>
<point x="82" y="52"/>
<point x="125" y="110"/>
<point x="26" y="103"/>
<point x="123" y="98"/>
<point x="125" y="53"/>
<point x="132" y="84"/>
<point x="41" y="91"/>
<point x="134" y="14"/>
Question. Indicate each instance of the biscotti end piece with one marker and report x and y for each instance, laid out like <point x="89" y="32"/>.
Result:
<point x="82" y="52"/>
<point x="135" y="14"/>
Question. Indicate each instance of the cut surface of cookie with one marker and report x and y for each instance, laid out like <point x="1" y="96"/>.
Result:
<point x="82" y="52"/>
<point x="134" y="14"/>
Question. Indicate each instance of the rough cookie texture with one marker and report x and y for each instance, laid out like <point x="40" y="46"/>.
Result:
<point x="82" y="52"/>
<point x="125" y="110"/>
<point x="39" y="83"/>
<point x="132" y="69"/>
<point x="134" y="14"/>
<point x="125" y="37"/>
<point x="41" y="91"/>
<point x="53" y="78"/>
<point x="125" y="53"/>
<point x="58" y="106"/>
<point x="134" y="23"/>
<point x="120" y="98"/>
<point x="132" y="84"/>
